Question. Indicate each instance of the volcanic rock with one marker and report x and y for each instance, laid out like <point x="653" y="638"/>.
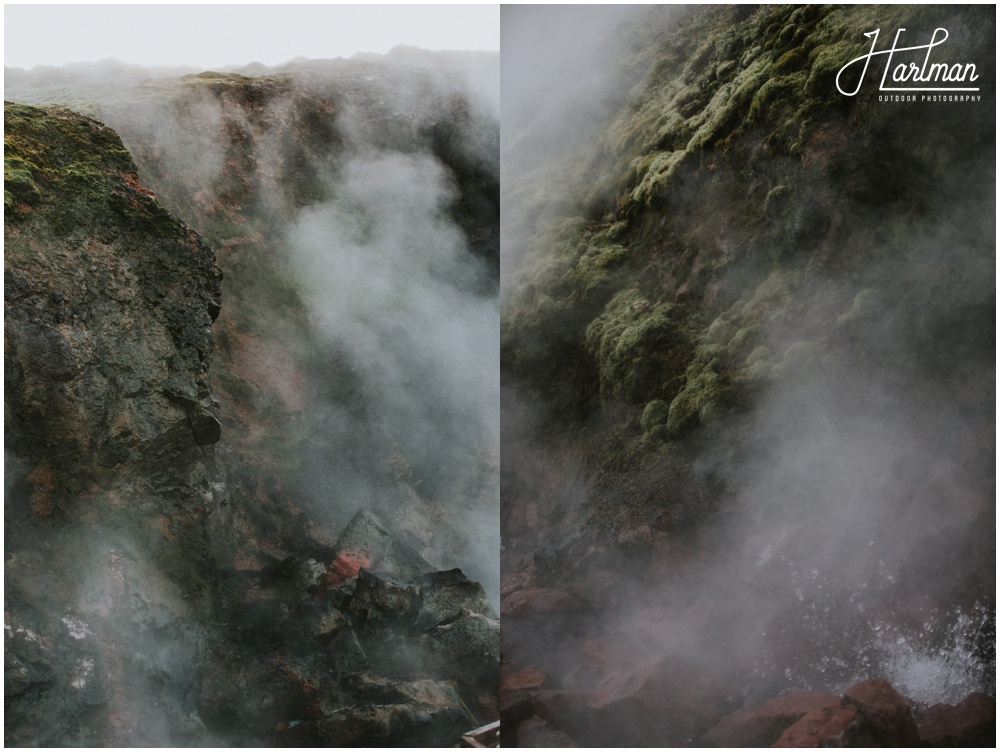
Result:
<point x="667" y="698"/>
<point x="885" y="711"/>
<point x="827" y="727"/>
<point x="526" y="678"/>
<point x="366" y="538"/>
<point x="970" y="723"/>
<point x="762" y="725"/>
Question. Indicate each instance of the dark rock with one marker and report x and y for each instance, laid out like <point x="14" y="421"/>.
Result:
<point x="445" y="596"/>
<point x="206" y="427"/>
<point x="762" y="725"/>
<point x="535" y="732"/>
<point x="885" y="711"/>
<point x="346" y="654"/>
<point x="379" y="598"/>
<point x="252" y="697"/>
<point x="970" y="723"/>
<point x="668" y="700"/>
<point x="366" y="534"/>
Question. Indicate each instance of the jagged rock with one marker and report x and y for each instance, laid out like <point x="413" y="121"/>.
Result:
<point x="89" y="388"/>
<point x="526" y="678"/>
<point x="347" y="655"/>
<point x="467" y="647"/>
<point x="379" y="598"/>
<point x="445" y="596"/>
<point x="762" y="725"/>
<point x="366" y="538"/>
<point x="346" y="565"/>
<point x="329" y="625"/>
<point x="970" y="723"/>
<point x="206" y="427"/>
<point x="885" y="711"/>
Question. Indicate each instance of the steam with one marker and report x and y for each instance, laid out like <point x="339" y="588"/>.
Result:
<point x="387" y="278"/>
<point x="854" y="534"/>
<point x="365" y="315"/>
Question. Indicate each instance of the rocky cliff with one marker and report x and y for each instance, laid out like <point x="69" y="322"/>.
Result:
<point x="237" y="503"/>
<point x="748" y="366"/>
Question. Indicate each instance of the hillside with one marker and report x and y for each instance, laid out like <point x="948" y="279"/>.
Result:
<point x="250" y="410"/>
<point x="747" y="347"/>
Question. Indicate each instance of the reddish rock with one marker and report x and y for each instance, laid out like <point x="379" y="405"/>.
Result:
<point x="512" y="582"/>
<point x="971" y="723"/>
<point x="536" y="733"/>
<point x="526" y="678"/>
<point x="826" y="727"/>
<point x="537" y="601"/>
<point x="886" y="712"/>
<point x="347" y="565"/>
<point x="762" y="725"/>
<point x="667" y="701"/>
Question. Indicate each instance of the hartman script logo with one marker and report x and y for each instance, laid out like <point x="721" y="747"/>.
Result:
<point x="910" y="72"/>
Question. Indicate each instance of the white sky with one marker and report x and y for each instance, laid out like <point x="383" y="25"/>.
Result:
<point x="207" y="36"/>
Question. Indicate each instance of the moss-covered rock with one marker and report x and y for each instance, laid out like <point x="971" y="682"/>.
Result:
<point x="759" y="226"/>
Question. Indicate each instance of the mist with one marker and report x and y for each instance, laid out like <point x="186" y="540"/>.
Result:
<point x="817" y="510"/>
<point x="352" y="207"/>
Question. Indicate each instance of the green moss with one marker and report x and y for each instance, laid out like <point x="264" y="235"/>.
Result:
<point x="75" y="169"/>
<point x="759" y="364"/>
<point x="655" y="414"/>
<point x="641" y="348"/>
<point x="704" y="397"/>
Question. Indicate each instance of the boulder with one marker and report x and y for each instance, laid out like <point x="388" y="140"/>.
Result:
<point x="526" y="678"/>
<point x="830" y="726"/>
<point x="445" y="596"/>
<point x="762" y="725"/>
<point x="666" y="701"/>
<point x="885" y="711"/>
<point x="367" y="539"/>
<point x="970" y="723"/>
<point x="378" y="597"/>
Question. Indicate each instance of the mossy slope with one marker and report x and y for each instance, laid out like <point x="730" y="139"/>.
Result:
<point x="740" y="221"/>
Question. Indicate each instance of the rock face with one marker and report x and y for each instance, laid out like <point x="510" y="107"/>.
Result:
<point x="733" y="343"/>
<point x="970" y="723"/>
<point x="380" y="659"/>
<point x="109" y="303"/>
<point x="174" y="574"/>
<point x="110" y="422"/>
<point x="763" y="725"/>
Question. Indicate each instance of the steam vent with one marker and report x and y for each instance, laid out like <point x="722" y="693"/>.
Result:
<point x="251" y="406"/>
<point x="309" y="444"/>
<point x="748" y="378"/>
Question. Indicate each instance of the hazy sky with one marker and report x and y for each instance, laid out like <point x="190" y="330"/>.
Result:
<point x="206" y="36"/>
